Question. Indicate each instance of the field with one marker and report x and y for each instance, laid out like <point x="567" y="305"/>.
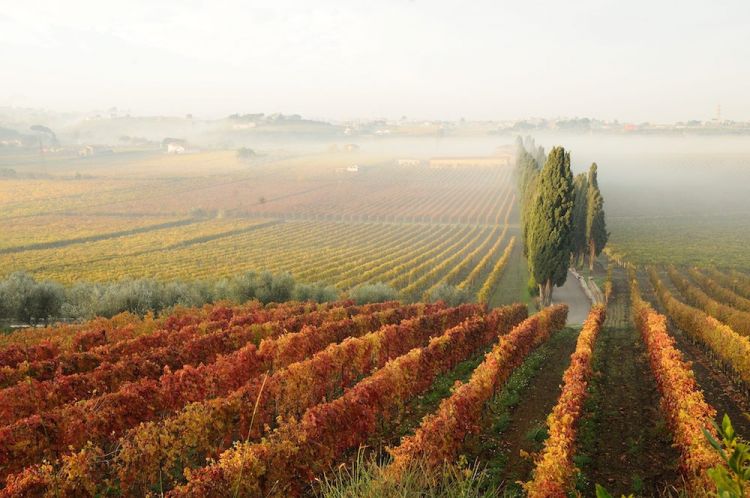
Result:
<point x="266" y="401"/>
<point x="674" y="200"/>
<point x="208" y="215"/>
<point x="336" y="399"/>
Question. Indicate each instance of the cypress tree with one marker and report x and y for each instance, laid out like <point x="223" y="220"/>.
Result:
<point x="579" y="246"/>
<point x="539" y="156"/>
<point x="550" y="224"/>
<point x="596" y="227"/>
<point x="527" y="170"/>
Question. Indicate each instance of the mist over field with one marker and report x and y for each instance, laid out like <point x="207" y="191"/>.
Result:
<point x="398" y="248"/>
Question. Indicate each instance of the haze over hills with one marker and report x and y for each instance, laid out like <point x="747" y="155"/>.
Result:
<point x="345" y="249"/>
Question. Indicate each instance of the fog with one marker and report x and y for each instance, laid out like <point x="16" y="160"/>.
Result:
<point x="270" y="103"/>
<point x="634" y="61"/>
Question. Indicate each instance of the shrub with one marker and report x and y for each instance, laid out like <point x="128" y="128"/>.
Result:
<point x="318" y="292"/>
<point x="450" y="295"/>
<point x="374" y="293"/>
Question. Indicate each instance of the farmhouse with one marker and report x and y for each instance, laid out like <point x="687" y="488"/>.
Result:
<point x="94" y="150"/>
<point x="409" y="161"/>
<point x="470" y="161"/>
<point x="175" y="148"/>
<point x="174" y="145"/>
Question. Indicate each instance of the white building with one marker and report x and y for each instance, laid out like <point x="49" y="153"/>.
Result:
<point x="175" y="148"/>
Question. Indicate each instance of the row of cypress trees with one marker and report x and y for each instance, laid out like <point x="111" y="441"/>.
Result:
<point x="562" y="217"/>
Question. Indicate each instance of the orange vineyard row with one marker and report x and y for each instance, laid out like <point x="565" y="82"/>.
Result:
<point x="203" y="428"/>
<point x="555" y="468"/>
<point x="299" y="450"/>
<point x="686" y="411"/>
<point x="441" y="435"/>
<point x="730" y="347"/>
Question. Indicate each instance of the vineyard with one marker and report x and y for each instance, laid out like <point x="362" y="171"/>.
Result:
<point x="202" y="379"/>
<point x="407" y="397"/>
<point x="253" y="400"/>
<point x="412" y="228"/>
<point x="355" y="250"/>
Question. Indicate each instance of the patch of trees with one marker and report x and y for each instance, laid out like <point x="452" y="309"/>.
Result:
<point x="24" y="300"/>
<point x="245" y="154"/>
<point x="44" y="132"/>
<point x="562" y="217"/>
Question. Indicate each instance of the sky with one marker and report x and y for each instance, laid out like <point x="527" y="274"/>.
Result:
<point x="635" y="61"/>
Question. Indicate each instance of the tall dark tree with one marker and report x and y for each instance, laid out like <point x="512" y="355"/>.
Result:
<point x="527" y="171"/>
<point x="596" y="226"/>
<point x="579" y="241"/>
<point x="539" y="155"/>
<point x="550" y="226"/>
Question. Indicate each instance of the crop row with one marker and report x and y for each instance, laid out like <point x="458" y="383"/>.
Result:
<point x="476" y="273"/>
<point x="441" y="435"/>
<point x="731" y="348"/>
<point x="39" y="344"/>
<point x="485" y="293"/>
<point x="737" y="282"/>
<point x="739" y="321"/>
<point x="387" y="258"/>
<point x="203" y="428"/>
<point x="682" y="402"/>
<point x="100" y="353"/>
<point x="717" y="291"/>
<point x="555" y="468"/>
<point x="416" y="195"/>
<point x="296" y="452"/>
<point x="34" y="396"/>
<point x="52" y="260"/>
<point x="468" y="267"/>
<point x="443" y="263"/>
<point x="49" y="433"/>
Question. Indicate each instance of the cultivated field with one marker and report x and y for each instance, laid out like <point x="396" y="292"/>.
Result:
<point x="337" y="399"/>
<point x="271" y="400"/>
<point x="410" y="227"/>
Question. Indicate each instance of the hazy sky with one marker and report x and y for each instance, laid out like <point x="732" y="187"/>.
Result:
<point x="631" y="60"/>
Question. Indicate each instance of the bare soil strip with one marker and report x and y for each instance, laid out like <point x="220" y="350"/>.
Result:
<point x="624" y="443"/>
<point x="516" y="419"/>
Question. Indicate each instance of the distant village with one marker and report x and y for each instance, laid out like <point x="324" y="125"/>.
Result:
<point x="108" y="132"/>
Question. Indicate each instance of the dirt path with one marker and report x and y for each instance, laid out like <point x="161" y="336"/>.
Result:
<point x="572" y="295"/>
<point x="718" y="388"/>
<point x="624" y="443"/>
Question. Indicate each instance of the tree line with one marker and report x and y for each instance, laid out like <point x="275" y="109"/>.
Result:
<point x="24" y="300"/>
<point x="562" y="217"/>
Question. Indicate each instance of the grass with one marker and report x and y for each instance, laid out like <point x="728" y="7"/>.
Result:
<point x="501" y="409"/>
<point x="538" y="434"/>
<point x="367" y="478"/>
<point x="429" y="401"/>
<point x="513" y="285"/>
<point x="589" y="424"/>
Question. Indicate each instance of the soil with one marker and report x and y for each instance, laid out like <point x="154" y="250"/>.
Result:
<point x="625" y="444"/>
<point x="501" y="448"/>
